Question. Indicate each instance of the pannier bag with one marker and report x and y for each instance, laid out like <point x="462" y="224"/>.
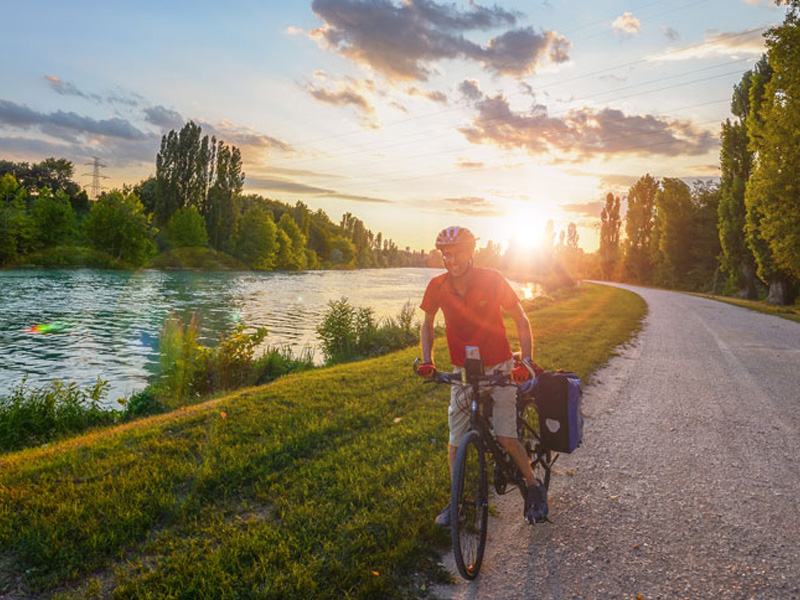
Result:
<point x="558" y="401"/>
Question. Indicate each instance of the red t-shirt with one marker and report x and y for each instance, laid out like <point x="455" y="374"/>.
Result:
<point x="476" y="319"/>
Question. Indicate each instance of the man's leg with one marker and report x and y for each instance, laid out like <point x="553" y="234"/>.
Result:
<point x="517" y="453"/>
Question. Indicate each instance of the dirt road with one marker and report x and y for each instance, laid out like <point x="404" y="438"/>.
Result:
<point x="688" y="481"/>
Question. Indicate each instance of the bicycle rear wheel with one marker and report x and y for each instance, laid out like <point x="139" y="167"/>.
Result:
<point x="469" y="506"/>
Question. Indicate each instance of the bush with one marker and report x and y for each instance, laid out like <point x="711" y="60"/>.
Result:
<point x="30" y="416"/>
<point x="190" y="371"/>
<point x="349" y="333"/>
<point x="143" y="404"/>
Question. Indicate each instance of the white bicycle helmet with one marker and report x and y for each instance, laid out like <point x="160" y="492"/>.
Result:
<point x="455" y="236"/>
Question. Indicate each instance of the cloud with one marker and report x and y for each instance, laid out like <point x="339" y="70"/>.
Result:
<point x="293" y="187"/>
<point x="403" y="42"/>
<point x="292" y="30"/>
<point x="347" y="92"/>
<point x="245" y="137"/>
<point x="470" y="90"/>
<point x="468" y="164"/>
<point x="473" y="206"/>
<point x="617" y="181"/>
<point x="671" y="34"/>
<point x="343" y="97"/>
<point x="584" y="132"/>
<point x="433" y="96"/>
<point x="584" y="209"/>
<point x="68" y="126"/>
<point x="718" y="43"/>
<point x="163" y="118"/>
<point x="626" y="24"/>
<point x="66" y="88"/>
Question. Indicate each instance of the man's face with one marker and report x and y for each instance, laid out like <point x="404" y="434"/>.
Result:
<point x="457" y="259"/>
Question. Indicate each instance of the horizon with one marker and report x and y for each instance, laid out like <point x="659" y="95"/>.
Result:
<point x="413" y="116"/>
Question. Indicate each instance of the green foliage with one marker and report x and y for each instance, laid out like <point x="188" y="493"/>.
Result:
<point x="196" y="258"/>
<point x="16" y="227"/>
<point x="291" y="242"/>
<point x="30" y="416"/>
<point x="256" y="239"/>
<point x="143" y="404"/>
<point x="639" y="228"/>
<point x="675" y="232"/>
<point x="195" y="171"/>
<point x="774" y="185"/>
<point x="322" y="485"/>
<point x="178" y="360"/>
<point x="609" y="236"/>
<point x="189" y="371"/>
<point x="187" y="228"/>
<point x="348" y="333"/>
<point x="117" y="224"/>
<point x="53" y="218"/>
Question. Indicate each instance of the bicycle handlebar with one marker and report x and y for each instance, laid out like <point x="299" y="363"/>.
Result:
<point x="497" y="379"/>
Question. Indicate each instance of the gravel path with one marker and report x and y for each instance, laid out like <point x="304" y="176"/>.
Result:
<point x="688" y="481"/>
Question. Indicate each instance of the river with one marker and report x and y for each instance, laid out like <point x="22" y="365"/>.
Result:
<point x="106" y="323"/>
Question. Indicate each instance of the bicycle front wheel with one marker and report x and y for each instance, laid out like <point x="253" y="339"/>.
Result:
<point x="469" y="506"/>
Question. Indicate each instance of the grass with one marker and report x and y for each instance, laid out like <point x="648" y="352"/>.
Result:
<point x="322" y="484"/>
<point x="785" y="312"/>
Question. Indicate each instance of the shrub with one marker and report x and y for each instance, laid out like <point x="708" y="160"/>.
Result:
<point x="189" y="370"/>
<point x="35" y="415"/>
<point x="349" y="333"/>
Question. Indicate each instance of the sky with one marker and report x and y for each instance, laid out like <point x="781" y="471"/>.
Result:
<point x="412" y="115"/>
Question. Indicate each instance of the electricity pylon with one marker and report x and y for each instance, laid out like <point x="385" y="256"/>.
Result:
<point x="96" y="177"/>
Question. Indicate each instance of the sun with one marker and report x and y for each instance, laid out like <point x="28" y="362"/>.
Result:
<point x="524" y="229"/>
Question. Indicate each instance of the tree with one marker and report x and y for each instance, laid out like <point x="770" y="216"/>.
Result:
<point x="291" y="245"/>
<point x="53" y="218"/>
<point x="187" y="228"/>
<point x="256" y="242"/>
<point x="220" y="206"/>
<point x="118" y="225"/>
<point x="772" y="191"/>
<point x="16" y="228"/>
<point x="674" y="212"/>
<point x="705" y="239"/>
<point x="609" y="235"/>
<point x="639" y="229"/>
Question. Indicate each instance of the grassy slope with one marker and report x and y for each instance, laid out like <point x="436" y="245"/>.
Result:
<point x="319" y="485"/>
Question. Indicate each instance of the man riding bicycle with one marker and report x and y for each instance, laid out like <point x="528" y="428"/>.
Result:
<point x="472" y="300"/>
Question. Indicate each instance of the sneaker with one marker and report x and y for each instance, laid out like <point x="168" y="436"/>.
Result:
<point x="536" y="503"/>
<point x="443" y="520"/>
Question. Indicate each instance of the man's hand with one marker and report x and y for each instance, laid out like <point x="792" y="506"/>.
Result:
<point x="426" y="369"/>
<point x="520" y="374"/>
<point x="525" y="369"/>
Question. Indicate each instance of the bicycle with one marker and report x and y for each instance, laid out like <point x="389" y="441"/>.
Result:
<point x="469" y="503"/>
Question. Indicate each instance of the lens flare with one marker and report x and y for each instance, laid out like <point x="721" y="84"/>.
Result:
<point x="54" y="327"/>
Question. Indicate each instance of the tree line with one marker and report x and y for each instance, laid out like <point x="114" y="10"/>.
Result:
<point x="194" y="200"/>
<point x="739" y="236"/>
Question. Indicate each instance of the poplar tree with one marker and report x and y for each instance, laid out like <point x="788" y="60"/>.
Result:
<point x="773" y="192"/>
<point x="609" y="235"/>
<point x="639" y="228"/>
<point x="736" y="162"/>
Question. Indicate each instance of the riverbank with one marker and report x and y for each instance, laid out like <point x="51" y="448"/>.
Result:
<point x="322" y="484"/>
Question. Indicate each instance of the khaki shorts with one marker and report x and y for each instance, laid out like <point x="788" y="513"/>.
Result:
<point x="504" y="411"/>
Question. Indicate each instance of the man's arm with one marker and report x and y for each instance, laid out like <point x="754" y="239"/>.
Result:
<point x="523" y="330"/>
<point x="426" y="337"/>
